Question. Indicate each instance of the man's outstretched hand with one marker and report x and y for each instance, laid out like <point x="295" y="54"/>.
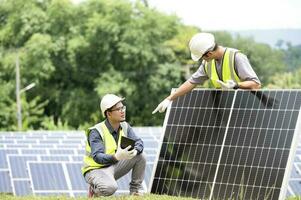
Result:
<point x="162" y="106"/>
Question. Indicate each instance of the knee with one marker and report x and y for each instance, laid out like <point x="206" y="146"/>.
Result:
<point x="142" y="158"/>
<point x="106" y="190"/>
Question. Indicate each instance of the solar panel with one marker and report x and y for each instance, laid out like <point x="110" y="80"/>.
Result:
<point x="16" y="174"/>
<point x="5" y="182"/>
<point x="74" y="171"/>
<point x="22" y="187"/>
<point x="3" y="159"/>
<point x="228" y="144"/>
<point x="18" y="165"/>
<point x="53" y="176"/>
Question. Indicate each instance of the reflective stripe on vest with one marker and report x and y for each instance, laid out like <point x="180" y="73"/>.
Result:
<point x="228" y="69"/>
<point x="108" y="142"/>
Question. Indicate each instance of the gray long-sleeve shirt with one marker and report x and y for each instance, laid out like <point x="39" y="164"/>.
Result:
<point x="98" y="148"/>
<point x="241" y="64"/>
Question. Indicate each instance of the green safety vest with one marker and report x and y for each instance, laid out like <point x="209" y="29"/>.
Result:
<point x="228" y="70"/>
<point x="108" y="142"/>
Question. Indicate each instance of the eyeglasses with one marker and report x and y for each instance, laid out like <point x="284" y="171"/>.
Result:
<point x="120" y="109"/>
<point x="205" y="54"/>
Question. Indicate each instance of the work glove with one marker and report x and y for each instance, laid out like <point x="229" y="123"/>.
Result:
<point x="229" y="84"/>
<point x="162" y="106"/>
<point x="125" y="154"/>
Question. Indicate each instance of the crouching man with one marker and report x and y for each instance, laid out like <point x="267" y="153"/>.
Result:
<point x="105" y="161"/>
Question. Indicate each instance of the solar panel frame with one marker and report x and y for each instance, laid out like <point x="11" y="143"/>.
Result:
<point x="289" y="159"/>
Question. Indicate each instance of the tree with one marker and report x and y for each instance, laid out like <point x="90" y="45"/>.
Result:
<point x="77" y="53"/>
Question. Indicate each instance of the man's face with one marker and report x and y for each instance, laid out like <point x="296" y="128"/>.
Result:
<point x="208" y="56"/>
<point x="117" y="112"/>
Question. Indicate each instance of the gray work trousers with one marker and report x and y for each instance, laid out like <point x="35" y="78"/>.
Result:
<point x="103" y="180"/>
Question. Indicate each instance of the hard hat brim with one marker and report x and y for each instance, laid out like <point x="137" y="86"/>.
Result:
<point x="195" y="58"/>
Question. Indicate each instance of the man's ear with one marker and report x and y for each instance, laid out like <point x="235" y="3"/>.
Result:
<point x="108" y="114"/>
<point x="210" y="53"/>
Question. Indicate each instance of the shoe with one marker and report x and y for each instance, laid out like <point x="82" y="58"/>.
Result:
<point x="90" y="192"/>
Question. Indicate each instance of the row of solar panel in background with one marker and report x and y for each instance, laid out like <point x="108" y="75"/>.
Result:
<point x="21" y="168"/>
<point x="15" y="169"/>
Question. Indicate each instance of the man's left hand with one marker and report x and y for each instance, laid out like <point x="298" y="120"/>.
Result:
<point x="229" y="84"/>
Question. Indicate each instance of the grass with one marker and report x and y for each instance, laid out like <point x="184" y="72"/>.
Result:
<point x="123" y="197"/>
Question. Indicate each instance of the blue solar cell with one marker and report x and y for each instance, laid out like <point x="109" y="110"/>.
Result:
<point x="50" y="193"/>
<point x="148" y="173"/>
<point x="296" y="187"/>
<point x="55" y="133"/>
<point x="5" y="182"/>
<point x="55" y="137"/>
<point x="73" y="141"/>
<point x="297" y="158"/>
<point x="3" y="161"/>
<point x="7" y="137"/>
<point x="71" y="146"/>
<point x="61" y="151"/>
<point x="55" y="158"/>
<point x="146" y="137"/>
<point x="150" y="151"/>
<point x="81" y="151"/>
<point x="295" y="173"/>
<point x="43" y="146"/>
<point x="150" y="158"/>
<point x="80" y="194"/>
<point x="79" y="137"/>
<point x="7" y="141"/>
<point x="26" y="141"/>
<point x="48" y="176"/>
<point x="49" y="141"/>
<point x="77" y="180"/>
<point x="17" y="146"/>
<point x="22" y="188"/>
<point x="77" y="158"/>
<point x="18" y="165"/>
<point x="34" y="137"/>
<point x="150" y="144"/>
<point x="33" y="151"/>
<point x="288" y="193"/>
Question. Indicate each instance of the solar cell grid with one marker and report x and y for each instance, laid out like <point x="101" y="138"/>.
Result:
<point x="229" y="144"/>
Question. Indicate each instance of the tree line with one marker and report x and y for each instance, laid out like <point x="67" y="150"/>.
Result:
<point x="76" y="53"/>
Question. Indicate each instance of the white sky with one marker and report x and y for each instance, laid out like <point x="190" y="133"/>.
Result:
<point x="234" y="14"/>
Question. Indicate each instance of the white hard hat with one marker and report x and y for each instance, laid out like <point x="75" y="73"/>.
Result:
<point x="108" y="101"/>
<point x="199" y="44"/>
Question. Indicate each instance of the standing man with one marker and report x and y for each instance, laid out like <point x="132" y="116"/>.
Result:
<point x="226" y="68"/>
<point x="105" y="161"/>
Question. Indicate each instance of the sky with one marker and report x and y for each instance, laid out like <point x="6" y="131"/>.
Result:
<point x="234" y="14"/>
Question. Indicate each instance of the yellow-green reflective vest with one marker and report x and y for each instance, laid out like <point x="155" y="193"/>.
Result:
<point x="228" y="70"/>
<point x="108" y="142"/>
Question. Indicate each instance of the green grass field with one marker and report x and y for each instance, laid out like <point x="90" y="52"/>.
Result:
<point x="126" y="197"/>
<point x="123" y="197"/>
